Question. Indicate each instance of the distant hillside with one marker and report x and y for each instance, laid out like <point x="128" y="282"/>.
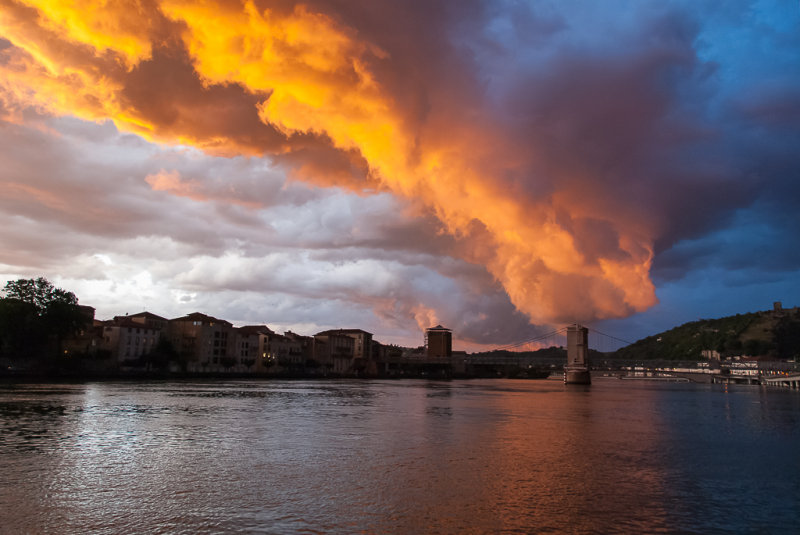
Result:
<point x="774" y="333"/>
<point x="546" y="354"/>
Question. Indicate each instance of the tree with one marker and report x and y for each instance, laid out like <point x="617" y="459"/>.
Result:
<point x="20" y="330"/>
<point x="45" y="312"/>
<point x="160" y="356"/>
<point x="40" y="293"/>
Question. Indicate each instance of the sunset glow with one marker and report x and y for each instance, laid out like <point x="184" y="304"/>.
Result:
<point x="565" y="214"/>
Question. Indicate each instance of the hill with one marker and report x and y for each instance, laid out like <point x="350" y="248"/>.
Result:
<point x="774" y="333"/>
<point x="552" y="352"/>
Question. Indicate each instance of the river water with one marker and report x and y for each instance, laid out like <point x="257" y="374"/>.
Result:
<point x="478" y="456"/>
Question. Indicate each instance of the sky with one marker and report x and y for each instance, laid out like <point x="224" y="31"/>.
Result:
<point x="502" y="168"/>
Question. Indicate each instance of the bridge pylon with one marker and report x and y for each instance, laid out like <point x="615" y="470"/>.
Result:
<point x="576" y="372"/>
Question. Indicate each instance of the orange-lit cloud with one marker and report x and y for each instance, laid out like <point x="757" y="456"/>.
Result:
<point x="425" y="316"/>
<point x="18" y="192"/>
<point x="172" y="183"/>
<point x="312" y="80"/>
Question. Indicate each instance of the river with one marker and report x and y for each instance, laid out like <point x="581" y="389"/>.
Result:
<point x="409" y="456"/>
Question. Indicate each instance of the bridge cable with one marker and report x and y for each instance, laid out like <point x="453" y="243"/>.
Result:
<point x="535" y="339"/>
<point x="609" y="336"/>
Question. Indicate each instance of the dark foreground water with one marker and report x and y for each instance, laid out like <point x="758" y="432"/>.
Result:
<point x="398" y="457"/>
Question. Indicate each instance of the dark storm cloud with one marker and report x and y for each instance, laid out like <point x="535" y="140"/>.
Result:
<point x="618" y="139"/>
<point x="656" y="131"/>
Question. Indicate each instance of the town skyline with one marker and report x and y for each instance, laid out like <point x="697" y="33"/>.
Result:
<point x="498" y="168"/>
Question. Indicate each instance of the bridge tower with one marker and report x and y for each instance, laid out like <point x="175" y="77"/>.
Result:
<point x="576" y="371"/>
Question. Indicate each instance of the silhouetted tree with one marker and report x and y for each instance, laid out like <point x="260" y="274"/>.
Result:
<point x="33" y="311"/>
<point x="788" y="339"/>
<point x="160" y="356"/>
<point x="21" y="335"/>
<point x="40" y="293"/>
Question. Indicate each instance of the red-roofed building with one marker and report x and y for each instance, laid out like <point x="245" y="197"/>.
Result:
<point x="128" y="340"/>
<point x="345" y="351"/>
<point x="204" y="343"/>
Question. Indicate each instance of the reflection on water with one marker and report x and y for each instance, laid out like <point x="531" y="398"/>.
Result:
<point x="398" y="457"/>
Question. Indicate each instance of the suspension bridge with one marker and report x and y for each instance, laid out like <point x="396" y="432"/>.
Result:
<point x="543" y="353"/>
<point x="558" y="338"/>
<point x="528" y="353"/>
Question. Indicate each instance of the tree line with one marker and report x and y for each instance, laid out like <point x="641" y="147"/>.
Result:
<point x="35" y="318"/>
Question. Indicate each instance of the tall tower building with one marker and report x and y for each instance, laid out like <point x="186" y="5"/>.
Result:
<point x="438" y="342"/>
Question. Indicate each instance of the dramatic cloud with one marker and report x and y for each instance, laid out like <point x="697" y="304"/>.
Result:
<point x="124" y="240"/>
<point x="487" y="165"/>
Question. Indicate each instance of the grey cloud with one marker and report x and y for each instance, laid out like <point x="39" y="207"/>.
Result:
<point x="637" y="108"/>
<point x="302" y="257"/>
